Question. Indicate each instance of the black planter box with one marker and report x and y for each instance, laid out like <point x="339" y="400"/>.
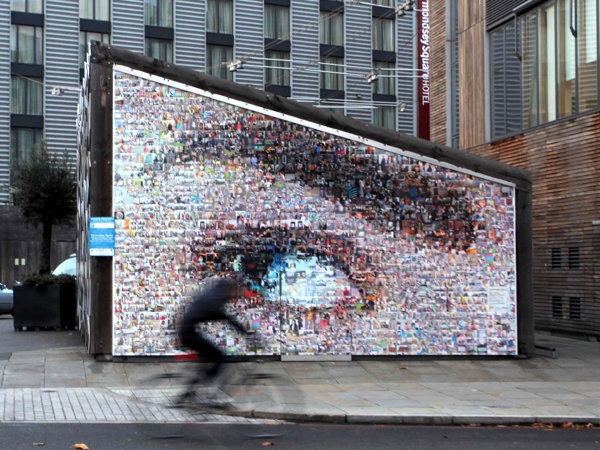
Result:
<point x="53" y="305"/>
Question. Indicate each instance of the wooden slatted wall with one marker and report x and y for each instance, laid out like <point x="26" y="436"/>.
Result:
<point x="565" y="164"/>
<point x="471" y="15"/>
<point x="439" y="119"/>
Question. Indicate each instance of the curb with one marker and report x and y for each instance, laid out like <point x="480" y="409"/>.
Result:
<point x="423" y="420"/>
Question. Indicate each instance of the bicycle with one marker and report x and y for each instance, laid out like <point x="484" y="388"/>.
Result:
<point x="249" y="389"/>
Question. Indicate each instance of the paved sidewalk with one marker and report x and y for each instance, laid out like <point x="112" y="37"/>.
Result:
<point x="65" y="384"/>
<point x="92" y="405"/>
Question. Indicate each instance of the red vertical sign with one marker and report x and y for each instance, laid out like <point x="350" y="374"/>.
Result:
<point x="424" y="82"/>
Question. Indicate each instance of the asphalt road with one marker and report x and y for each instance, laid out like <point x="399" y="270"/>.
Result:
<point x="19" y="341"/>
<point x="302" y="436"/>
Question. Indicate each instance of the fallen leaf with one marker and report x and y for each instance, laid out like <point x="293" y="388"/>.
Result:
<point x="567" y="425"/>
<point x="80" y="446"/>
<point x="445" y="436"/>
<point x="403" y="368"/>
<point x="268" y="444"/>
<point x="39" y="444"/>
<point x="546" y="426"/>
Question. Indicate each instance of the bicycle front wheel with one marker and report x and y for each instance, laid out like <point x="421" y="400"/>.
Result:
<point x="259" y="391"/>
<point x="162" y="399"/>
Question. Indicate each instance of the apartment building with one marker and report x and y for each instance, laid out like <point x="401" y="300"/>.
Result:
<point x="353" y="57"/>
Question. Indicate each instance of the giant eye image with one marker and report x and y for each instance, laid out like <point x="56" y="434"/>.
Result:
<point x="346" y="247"/>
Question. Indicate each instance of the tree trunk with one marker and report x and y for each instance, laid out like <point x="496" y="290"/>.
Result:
<point x="46" y="246"/>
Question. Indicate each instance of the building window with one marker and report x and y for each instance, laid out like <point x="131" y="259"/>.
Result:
<point x="388" y="3"/>
<point x="219" y="16"/>
<point x="332" y="73"/>
<point x="454" y="74"/>
<point x="27" y="44"/>
<point x="277" y="22"/>
<point x="385" y="116"/>
<point x="22" y="141"/>
<point x="160" y="49"/>
<point x="216" y="62"/>
<point x="159" y="13"/>
<point x="277" y="68"/>
<point x="385" y="83"/>
<point x="574" y="258"/>
<point x="84" y="39"/>
<point x="384" y="35"/>
<point x="556" y="259"/>
<point x="574" y="308"/>
<point x="557" y="53"/>
<point x="557" y="311"/>
<point x="94" y="9"/>
<point x="505" y="81"/>
<point x="547" y="63"/>
<point x="566" y="64"/>
<point x="332" y="28"/>
<point x="587" y="54"/>
<point x="529" y="71"/>
<point x="30" y="6"/>
<point x="27" y="96"/>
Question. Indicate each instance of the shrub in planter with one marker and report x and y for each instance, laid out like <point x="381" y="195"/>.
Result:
<point x="45" y="301"/>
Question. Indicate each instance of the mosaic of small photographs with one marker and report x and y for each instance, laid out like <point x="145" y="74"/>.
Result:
<point x="347" y="249"/>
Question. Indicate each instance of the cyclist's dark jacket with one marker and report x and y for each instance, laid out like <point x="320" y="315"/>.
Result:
<point x="209" y="305"/>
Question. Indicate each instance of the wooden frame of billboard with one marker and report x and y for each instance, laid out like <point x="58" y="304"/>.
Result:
<point x="95" y="177"/>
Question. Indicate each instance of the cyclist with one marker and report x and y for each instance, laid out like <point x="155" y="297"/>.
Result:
<point x="208" y="305"/>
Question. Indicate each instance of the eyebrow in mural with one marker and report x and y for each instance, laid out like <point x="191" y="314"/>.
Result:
<point x="348" y="249"/>
<point x="371" y="189"/>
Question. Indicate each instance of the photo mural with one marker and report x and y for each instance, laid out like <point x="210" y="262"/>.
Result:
<point x="347" y="248"/>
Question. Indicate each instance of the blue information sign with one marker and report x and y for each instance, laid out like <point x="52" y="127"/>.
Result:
<point x="102" y="236"/>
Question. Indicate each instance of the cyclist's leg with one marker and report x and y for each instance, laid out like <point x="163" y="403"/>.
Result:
<point x="207" y="351"/>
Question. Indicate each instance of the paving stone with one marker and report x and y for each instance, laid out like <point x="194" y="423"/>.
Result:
<point x="24" y="376"/>
<point x="399" y="403"/>
<point x="316" y="381"/>
<point x="428" y="370"/>
<point x="467" y="410"/>
<point x="317" y="389"/>
<point x="27" y="355"/>
<point x="368" y="394"/>
<point x="65" y="356"/>
<point x="24" y="367"/>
